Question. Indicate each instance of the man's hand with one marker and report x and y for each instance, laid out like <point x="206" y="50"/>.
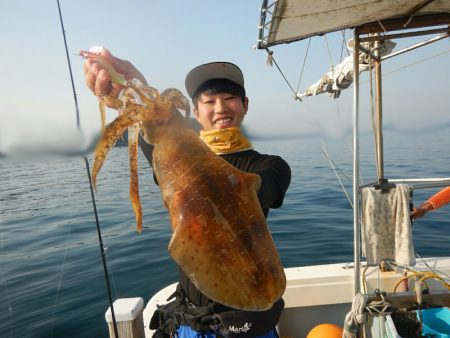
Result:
<point x="421" y="210"/>
<point x="98" y="79"/>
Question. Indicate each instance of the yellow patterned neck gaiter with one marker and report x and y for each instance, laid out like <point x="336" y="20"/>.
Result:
<point x="225" y="141"/>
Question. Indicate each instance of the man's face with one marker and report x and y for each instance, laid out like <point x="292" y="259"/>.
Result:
<point x="218" y="111"/>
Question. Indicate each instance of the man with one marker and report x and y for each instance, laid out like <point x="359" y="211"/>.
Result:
<point x="220" y="105"/>
<point x="436" y="201"/>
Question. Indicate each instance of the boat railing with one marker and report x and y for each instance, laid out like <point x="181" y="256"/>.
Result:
<point x="416" y="183"/>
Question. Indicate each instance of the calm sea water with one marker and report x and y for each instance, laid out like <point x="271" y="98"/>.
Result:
<point x="51" y="275"/>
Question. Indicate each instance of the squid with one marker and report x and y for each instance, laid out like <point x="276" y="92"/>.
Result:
<point x="220" y="237"/>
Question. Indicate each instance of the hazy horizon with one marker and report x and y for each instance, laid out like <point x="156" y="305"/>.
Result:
<point x="37" y="100"/>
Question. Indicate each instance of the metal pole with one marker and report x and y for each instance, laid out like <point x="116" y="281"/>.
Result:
<point x="356" y="228"/>
<point x="418" y="45"/>
<point x="378" y="113"/>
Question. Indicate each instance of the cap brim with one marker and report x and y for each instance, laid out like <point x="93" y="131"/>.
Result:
<point x="214" y="70"/>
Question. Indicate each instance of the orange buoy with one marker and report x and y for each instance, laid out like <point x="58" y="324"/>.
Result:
<point x="325" y="331"/>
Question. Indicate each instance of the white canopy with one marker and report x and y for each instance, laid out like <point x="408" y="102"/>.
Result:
<point x="293" y="20"/>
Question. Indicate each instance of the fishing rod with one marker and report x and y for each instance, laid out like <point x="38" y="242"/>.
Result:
<point x="97" y="222"/>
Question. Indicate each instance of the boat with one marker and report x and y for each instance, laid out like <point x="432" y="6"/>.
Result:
<point x="361" y="293"/>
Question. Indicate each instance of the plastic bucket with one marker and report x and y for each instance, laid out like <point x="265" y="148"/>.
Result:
<point x="436" y="322"/>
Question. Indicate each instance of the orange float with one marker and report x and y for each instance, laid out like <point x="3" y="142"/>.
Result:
<point x="325" y="331"/>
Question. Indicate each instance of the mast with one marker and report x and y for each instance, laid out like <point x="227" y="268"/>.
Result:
<point x="378" y="111"/>
<point x="356" y="214"/>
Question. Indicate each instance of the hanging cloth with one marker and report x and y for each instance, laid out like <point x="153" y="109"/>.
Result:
<point x="386" y="225"/>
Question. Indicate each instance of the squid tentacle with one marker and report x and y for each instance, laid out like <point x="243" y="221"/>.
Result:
<point x="133" y="136"/>
<point x="136" y="104"/>
<point x="112" y="133"/>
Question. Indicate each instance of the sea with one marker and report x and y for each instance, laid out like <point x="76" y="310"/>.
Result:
<point x="52" y="281"/>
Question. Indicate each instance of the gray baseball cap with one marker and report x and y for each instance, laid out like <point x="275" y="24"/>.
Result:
<point x="213" y="70"/>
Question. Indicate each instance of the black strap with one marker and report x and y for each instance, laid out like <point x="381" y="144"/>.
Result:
<point x="167" y="318"/>
<point x="246" y="324"/>
<point x="213" y="318"/>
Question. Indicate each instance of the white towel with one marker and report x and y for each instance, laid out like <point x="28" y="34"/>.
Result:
<point x="386" y="225"/>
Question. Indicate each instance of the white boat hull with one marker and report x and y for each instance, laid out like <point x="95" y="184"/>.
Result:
<point x="323" y="294"/>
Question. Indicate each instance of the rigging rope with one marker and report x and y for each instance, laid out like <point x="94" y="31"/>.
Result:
<point x="329" y="52"/>
<point x="60" y="282"/>
<point x="417" y="62"/>
<point x="344" y="46"/>
<point x="271" y="60"/>
<point x="8" y="300"/>
<point x="100" y="241"/>
<point x="333" y="166"/>
<point x="303" y="66"/>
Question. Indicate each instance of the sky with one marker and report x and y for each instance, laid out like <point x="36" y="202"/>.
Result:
<point x="164" y="40"/>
